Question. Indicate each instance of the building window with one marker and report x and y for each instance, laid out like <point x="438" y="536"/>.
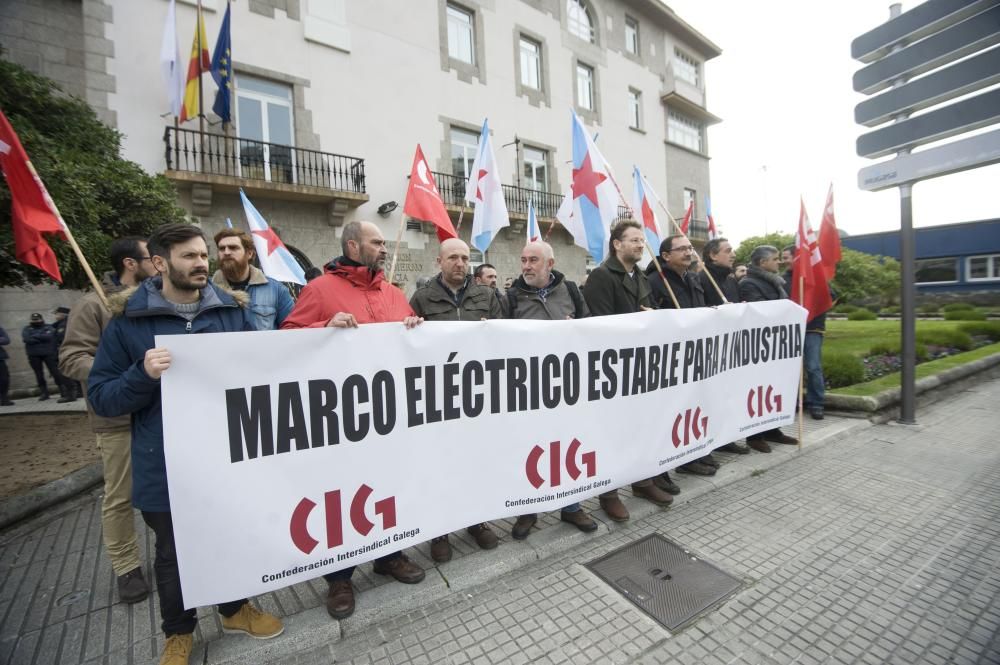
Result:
<point x="464" y="145"/>
<point x="933" y="271"/>
<point x="265" y="127"/>
<point x="461" y="39"/>
<point x="684" y="131"/>
<point x="631" y="35"/>
<point x="585" y="86"/>
<point x="690" y="196"/>
<point x="634" y="109"/>
<point x="531" y="64"/>
<point x="685" y="67"/>
<point x="983" y="267"/>
<point x="578" y="20"/>
<point x="536" y="169"/>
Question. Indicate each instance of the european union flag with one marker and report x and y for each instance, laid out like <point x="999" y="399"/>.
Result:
<point x="222" y="69"/>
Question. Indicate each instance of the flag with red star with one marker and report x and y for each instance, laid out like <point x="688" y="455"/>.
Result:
<point x="485" y="192"/>
<point x="595" y="198"/>
<point x="642" y="203"/>
<point x="275" y="259"/>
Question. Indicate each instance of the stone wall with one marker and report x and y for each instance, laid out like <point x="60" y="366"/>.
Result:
<point x="18" y="305"/>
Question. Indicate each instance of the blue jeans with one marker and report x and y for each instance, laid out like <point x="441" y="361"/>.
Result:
<point x="812" y="353"/>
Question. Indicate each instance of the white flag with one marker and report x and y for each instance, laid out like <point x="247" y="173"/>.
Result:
<point x="486" y="193"/>
<point x="170" y="61"/>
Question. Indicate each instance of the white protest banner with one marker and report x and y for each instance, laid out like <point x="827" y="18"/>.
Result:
<point x="295" y="453"/>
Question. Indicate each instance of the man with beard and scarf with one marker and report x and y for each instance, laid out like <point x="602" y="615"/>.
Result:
<point x="125" y="380"/>
<point x="544" y="293"/>
<point x="353" y="291"/>
<point x="87" y="320"/>
<point x="762" y="283"/>
<point x="269" y="299"/>
<point x="618" y="286"/>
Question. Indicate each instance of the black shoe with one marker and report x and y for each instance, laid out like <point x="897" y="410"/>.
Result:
<point x="734" y="447"/>
<point x="63" y="400"/>
<point x="708" y="460"/>
<point x="817" y="414"/>
<point x="777" y="436"/>
<point x="6" y="402"/>
<point x="697" y="469"/>
<point x="43" y="398"/>
<point x="664" y="482"/>
<point x="522" y="527"/>
<point x="132" y="587"/>
<point x="580" y="519"/>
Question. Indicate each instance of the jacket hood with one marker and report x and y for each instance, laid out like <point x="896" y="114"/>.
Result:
<point x="257" y="277"/>
<point x="356" y="273"/>
<point x="556" y="279"/>
<point x="147" y="297"/>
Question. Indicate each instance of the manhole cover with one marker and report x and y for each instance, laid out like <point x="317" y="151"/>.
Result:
<point x="71" y="598"/>
<point x="664" y="580"/>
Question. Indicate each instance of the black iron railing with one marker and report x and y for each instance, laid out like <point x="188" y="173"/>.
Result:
<point x="215" y="154"/>
<point x="452" y="188"/>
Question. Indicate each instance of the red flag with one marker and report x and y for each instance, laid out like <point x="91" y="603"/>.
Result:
<point x="829" y="238"/>
<point x="809" y="283"/>
<point x="423" y="201"/>
<point x="31" y="209"/>
<point x="687" y="218"/>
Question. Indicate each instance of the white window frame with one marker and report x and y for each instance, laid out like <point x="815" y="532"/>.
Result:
<point x="634" y="108"/>
<point x="631" y="35"/>
<point x="461" y="33"/>
<point x="685" y="131"/>
<point x="953" y="259"/>
<point x="531" y="62"/>
<point x="690" y="195"/>
<point x="579" y="22"/>
<point x="687" y="68"/>
<point x="992" y="261"/>
<point x="468" y="150"/>
<point x="263" y="99"/>
<point x="585" y="84"/>
<point x="536" y="166"/>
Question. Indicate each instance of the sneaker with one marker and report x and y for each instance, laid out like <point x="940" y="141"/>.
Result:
<point x="696" y="469"/>
<point x="652" y="493"/>
<point x="340" y="599"/>
<point x="441" y="549"/>
<point x="485" y="538"/>
<point x="734" y="447"/>
<point x="522" y="527"/>
<point x="254" y="622"/>
<point x="177" y="650"/>
<point x="664" y="482"/>
<point x="400" y="568"/>
<point x="132" y="587"/>
<point x="614" y="508"/>
<point x="760" y="445"/>
<point x="777" y="436"/>
<point x="580" y="519"/>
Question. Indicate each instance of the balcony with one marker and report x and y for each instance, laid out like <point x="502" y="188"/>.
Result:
<point x="227" y="163"/>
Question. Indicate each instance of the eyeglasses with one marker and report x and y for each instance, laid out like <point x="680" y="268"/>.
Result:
<point x="685" y="248"/>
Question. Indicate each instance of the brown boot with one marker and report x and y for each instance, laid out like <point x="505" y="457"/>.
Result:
<point x="580" y="519"/>
<point x="485" y="538"/>
<point x="647" y="490"/>
<point x="760" y="445"/>
<point x="340" y="599"/>
<point x="400" y="567"/>
<point x="441" y="549"/>
<point x="614" y="508"/>
<point x="522" y="527"/>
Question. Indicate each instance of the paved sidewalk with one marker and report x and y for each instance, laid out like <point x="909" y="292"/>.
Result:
<point x="31" y="405"/>
<point x="879" y="546"/>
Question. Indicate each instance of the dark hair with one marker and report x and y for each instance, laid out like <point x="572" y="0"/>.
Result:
<point x="478" y="272"/>
<point x="762" y="252"/>
<point x="125" y="248"/>
<point x="245" y="239"/>
<point x="352" y="231"/>
<point x="711" y="247"/>
<point x="618" y="230"/>
<point x="668" y="243"/>
<point x="313" y="273"/>
<point x="789" y="248"/>
<point x="163" y="238"/>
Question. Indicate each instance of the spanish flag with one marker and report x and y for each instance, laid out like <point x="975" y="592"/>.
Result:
<point x="197" y="65"/>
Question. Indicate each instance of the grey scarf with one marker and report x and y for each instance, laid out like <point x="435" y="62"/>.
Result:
<point x="769" y="277"/>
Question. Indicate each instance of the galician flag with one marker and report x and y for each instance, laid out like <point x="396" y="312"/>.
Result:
<point x="642" y="204"/>
<point x="595" y="200"/>
<point x="275" y="259"/>
<point x="485" y="192"/>
<point x="532" y="225"/>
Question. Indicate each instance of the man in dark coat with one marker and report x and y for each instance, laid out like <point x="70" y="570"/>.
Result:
<point x="763" y="283"/>
<point x="617" y="286"/>
<point x="41" y="345"/>
<point x="717" y="255"/>
<point x="125" y="379"/>
<point x="4" y="372"/>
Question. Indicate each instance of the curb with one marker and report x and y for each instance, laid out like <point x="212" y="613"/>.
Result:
<point x="17" y="508"/>
<point x="891" y="397"/>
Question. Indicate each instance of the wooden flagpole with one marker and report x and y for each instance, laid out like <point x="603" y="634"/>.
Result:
<point x="395" y="251"/>
<point x="802" y="373"/>
<point x="461" y="214"/>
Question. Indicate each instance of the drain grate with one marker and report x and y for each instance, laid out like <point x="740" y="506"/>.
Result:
<point x="664" y="580"/>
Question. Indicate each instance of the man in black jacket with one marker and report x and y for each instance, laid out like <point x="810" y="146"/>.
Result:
<point x="617" y="286"/>
<point x="763" y="283"/>
<point x="41" y="345"/>
<point x="718" y="258"/>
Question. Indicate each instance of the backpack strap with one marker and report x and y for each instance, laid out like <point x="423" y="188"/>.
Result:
<point x="574" y="293"/>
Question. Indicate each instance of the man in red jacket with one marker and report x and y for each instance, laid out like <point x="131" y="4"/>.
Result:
<point x="352" y="291"/>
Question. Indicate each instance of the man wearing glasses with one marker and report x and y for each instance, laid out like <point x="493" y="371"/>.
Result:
<point x="87" y="320"/>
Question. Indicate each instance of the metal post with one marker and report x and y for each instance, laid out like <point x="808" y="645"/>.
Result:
<point x="907" y="301"/>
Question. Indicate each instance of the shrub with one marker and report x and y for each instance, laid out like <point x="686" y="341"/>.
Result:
<point x="862" y="315"/>
<point x="845" y="308"/>
<point x="842" y="369"/>
<point x="928" y="308"/>
<point x="956" y="306"/>
<point x="955" y="339"/>
<point x="964" y="315"/>
<point x="990" y="329"/>
<point x="892" y="309"/>
<point x="893" y="349"/>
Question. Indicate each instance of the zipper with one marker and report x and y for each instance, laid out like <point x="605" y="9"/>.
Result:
<point x="187" y="328"/>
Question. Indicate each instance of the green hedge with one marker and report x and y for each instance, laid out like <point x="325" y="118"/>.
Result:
<point x="892" y="309"/>
<point x="842" y="369"/>
<point x="957" y="339"/>
<point x="844" y="308"/>
<point x="956" y="306"/>
<point x="893" y="349"/>
<point x="964" y="315"/>
<point x="990" y="329"/>
<point x="862" y="315"/>
<point x="928" y="308"/>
